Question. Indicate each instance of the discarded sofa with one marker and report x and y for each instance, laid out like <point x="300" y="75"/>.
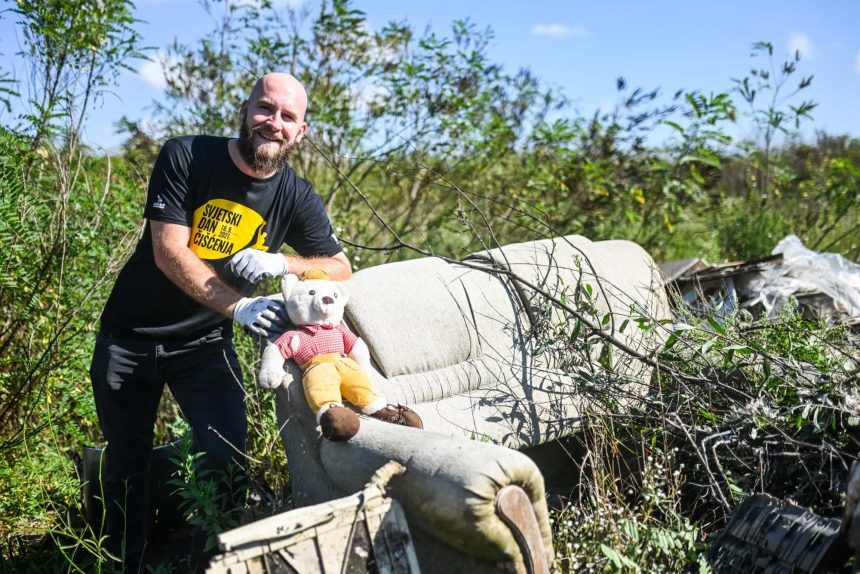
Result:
<point x="464" y="345"/>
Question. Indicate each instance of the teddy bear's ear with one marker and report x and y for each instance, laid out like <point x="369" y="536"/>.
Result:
<point x="343" y="294"/>
<point x="287" y="283"/>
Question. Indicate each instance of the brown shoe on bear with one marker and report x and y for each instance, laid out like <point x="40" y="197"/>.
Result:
<point x="399" y="415"/>
<point x="339" y="424"/>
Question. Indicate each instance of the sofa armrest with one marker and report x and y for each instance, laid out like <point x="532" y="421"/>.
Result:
<point x="451" y="489"/>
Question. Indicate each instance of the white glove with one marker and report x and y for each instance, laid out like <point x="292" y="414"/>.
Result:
<point x="260" y="315"/>
<point x="254" y="265"/>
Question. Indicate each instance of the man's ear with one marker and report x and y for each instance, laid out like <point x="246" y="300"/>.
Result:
<point x="302" y="131"/>
<point x="243" y="109"/>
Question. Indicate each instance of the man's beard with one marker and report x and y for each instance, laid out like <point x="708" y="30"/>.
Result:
<point x="257" y="157"/>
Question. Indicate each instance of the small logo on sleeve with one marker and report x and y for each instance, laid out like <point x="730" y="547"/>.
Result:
<point x="158" y="203"/>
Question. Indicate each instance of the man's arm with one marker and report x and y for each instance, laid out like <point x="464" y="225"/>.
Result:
<point x="255" y="265"/>
<point x="337" y="266"/>
<point x="182" y="266"/>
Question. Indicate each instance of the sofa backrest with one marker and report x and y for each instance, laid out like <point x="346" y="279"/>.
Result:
<point x="414" y="316"/>
<point x="434" y="329"/>
<point x="614" y="284"/>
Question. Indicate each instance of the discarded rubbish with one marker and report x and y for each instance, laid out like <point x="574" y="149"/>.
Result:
<point x="364" y="532"/>
<point x="768" y="535"/>
<point x="806" y="273"/>
<point x="825" y="285"/>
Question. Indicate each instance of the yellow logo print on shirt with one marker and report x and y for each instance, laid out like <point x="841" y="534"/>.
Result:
<point x="221" y="228"/>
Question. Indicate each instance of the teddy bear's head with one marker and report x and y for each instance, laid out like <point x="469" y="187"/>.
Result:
<point x="313" y="299"/>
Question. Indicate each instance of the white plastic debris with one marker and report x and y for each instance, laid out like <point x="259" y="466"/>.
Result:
<point x="805" y="271"/>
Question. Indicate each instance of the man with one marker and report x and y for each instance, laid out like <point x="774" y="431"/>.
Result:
<point x="218" y="211"/>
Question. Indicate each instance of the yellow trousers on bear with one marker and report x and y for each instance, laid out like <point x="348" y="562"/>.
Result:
<point x="329" y="378"/>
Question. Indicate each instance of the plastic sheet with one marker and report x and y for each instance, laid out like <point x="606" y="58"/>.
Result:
<point x="804" y="271"/>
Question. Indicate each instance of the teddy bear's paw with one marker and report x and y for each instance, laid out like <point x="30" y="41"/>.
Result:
<point x="399" y="415"/>
<point x="339" y="424"/>
<point x="272" y="373"/>
<point x="271" y="378"/>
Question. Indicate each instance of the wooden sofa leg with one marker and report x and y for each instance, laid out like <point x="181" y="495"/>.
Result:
<point x="515" y="509"/>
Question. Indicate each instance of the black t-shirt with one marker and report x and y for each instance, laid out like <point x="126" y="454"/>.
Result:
<point x="196" y="184"/>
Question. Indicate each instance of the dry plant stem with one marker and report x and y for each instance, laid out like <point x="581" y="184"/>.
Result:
<point x="715" y="487"/>
<point x="244" y="455"/>
<point x="825" y="447"/>
<point x="237" y="378"/>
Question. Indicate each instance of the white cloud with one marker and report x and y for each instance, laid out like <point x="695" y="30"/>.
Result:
<point x="800" y="42"/>
<point x="857" y="63"/>
<point x="152" y="71"/>
<point x="559" y="30"/>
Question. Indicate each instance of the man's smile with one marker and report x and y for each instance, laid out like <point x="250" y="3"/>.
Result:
<point x="270" y="138"/>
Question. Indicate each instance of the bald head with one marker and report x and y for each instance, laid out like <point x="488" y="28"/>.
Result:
<point x="281" y="85"/>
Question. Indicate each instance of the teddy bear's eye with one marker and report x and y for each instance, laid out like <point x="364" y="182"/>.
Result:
<point x="334" y="295"/>
<point x="312" y="292"/>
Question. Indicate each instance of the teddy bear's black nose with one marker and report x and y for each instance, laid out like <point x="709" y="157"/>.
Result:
<point x="328" y="300"/>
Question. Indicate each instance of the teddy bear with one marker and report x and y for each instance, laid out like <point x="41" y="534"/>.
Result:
<point x="335" y="362"/>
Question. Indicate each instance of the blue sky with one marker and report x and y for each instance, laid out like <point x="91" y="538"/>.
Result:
<point x="578" y="46"/>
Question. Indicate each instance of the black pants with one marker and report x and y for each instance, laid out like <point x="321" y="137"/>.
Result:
<point x="128" y="379"/>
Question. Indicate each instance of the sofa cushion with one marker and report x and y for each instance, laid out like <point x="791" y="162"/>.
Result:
<point x="414" y="316"/>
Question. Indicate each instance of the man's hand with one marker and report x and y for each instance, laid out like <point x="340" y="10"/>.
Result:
<point x="260" y="315"/>
<point x="254" y="265"/>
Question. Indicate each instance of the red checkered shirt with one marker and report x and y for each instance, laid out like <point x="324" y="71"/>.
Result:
<point x="316" y="340"/>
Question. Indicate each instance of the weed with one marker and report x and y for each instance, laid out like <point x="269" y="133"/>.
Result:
<point x="212" y="500"/>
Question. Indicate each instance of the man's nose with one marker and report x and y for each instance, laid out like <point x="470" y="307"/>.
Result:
<point x="275" y="121"/>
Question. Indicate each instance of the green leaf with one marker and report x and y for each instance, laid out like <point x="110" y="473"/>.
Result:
<point x="715" y="325"/>
<point x="727" y="358"/>
<point x="675" y="126"/>
<point x="670" y="342"/>
<point x="577" y="327"/>
<point x="740" y="349"/>
<point x="612" y="554"/>
<point x="708" y="416"/>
